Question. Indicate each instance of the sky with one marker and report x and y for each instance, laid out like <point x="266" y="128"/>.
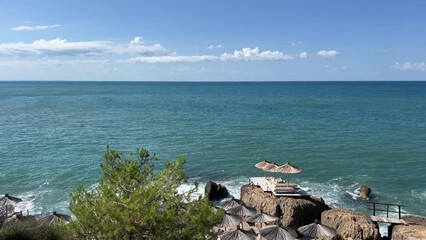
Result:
<point x="206" y="40"/>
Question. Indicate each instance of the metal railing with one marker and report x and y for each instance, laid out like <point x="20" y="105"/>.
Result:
<point x="387" y="210"/>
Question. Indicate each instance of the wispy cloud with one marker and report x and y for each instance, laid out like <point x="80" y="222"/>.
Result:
<point x="215" y="46"/>
<point x="408" y="66"/>
<point x="186" y="69"/>
<point x="333" y="68"/>
<point x="171" y="59"/>
<point x="137" y="50"/>
<point x="296" y="44"/>
<point x="303" y="55"/>
<point x="328" y="53"/>
<point x="54" y="62"/>
<point x="245" y="54"/>
<point x="60" y="46"/>
<point x="33" y="28"/>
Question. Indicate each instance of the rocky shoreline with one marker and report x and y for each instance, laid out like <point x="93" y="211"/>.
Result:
<point x="295" y="212"/>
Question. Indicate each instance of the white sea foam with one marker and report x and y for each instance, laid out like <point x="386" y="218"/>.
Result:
<point x="27" y="205"/>
<point x="419" y="195"/>
<point x="233" y="186"/>
<point x="335" y="193"/>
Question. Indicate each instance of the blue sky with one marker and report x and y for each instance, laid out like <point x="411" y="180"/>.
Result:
<point x="212" y="40"/>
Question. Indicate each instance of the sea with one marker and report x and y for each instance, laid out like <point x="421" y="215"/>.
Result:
<point x="341" y="134"/>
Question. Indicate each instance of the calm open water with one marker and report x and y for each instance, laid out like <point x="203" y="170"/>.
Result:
<point x="342" y="134"/>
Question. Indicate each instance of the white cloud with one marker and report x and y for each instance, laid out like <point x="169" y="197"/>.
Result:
<point x="420" y="66"/>
<point x="54" y="47"/>
<point x="246" y="54"/>
<point x="136" y="41"/>
<point x="53" y="62"/>
<point x="328" y="54"/>
<point x="254" y="54"/>
<point x="137" y="50"/>
<point x="171" y="59"/>
<point x="33" y="28"/>
<point x="303" y="55"/>
<point x="60" y="46"/>
<point x="215" y="46"/>
<point x="138" y="46"/>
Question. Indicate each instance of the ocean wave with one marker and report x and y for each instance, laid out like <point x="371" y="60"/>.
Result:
<point x="336" y="192"/>
<point x="419" y="195"/>
<point x="233" y="187"/>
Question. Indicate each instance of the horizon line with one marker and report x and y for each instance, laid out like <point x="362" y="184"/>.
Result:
<point x="211" y="81"/>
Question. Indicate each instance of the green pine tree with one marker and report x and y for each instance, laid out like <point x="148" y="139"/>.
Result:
<point x="132" y="201"/>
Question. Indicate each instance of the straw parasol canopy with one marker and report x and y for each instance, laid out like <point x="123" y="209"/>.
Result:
<point x="289" y="169"/>
<point x="54" y="218"/>
<point x="9" y="200"/>
<point x="267" y="166"/>
<point x="262" y="218"/>
<point x="274" y="232"/>
<point x="230" y="220"/>
<point x="228" y="203"/>
<point x="242" y="210"/>
<point x="262" y="164"/>
<point x="317" y="230"/>
<point x="273" y="167"/>
<point x="8" y="204"/>
<point x="7" y="210"/>
<point x="238" y="234"/>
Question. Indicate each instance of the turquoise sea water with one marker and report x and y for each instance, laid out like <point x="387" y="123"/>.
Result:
<point x="342" y="134"/>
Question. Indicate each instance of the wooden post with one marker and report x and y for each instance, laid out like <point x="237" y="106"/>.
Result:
<point x="399" y="211"/>
<point x="374" y="209"/>
<point x="387" y="210"/>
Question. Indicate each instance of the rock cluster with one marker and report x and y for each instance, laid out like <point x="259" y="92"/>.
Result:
<point x="293" y="212"/>
<point x="215" y="191"/>
<point x="350" y="225"/>
<point x="364" y="191"/>
<point x="414" y="231"/>
<point x="296" y="212"/>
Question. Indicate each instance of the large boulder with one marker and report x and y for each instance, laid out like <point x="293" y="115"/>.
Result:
<point x="215" y="191"/>
<point x="293" y="212"/>
<point x="364" y="191"/>
<point x="410" y="232"/>
<point x="414" y="231"/>
<point x="351" y="225"/>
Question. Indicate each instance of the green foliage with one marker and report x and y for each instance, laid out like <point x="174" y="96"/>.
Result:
<point x="31" y="230"/>
<point x="132" y="201"/>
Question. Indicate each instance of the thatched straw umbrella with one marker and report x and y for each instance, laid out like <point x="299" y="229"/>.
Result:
<point x="262" y="164"/>
<point x="274" y="232"/>
<point x="9" y="200"/>
<point x="317" y="230"/>
<point x="289" y="169"/>
<point x="228" y="203"/>
<point x="230" y="221"/>
<point x="273" y="167"/>
<point x="242" y="210"/>
<point x="54" y="218"/>
<point x="8" y="203"/>
<point x="238" y="234"/>
<point x="269" y="167"/>
<point x="262" y="218"/>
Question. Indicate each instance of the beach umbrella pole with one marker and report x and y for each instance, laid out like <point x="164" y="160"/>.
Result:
<point x="288" y="179"/>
